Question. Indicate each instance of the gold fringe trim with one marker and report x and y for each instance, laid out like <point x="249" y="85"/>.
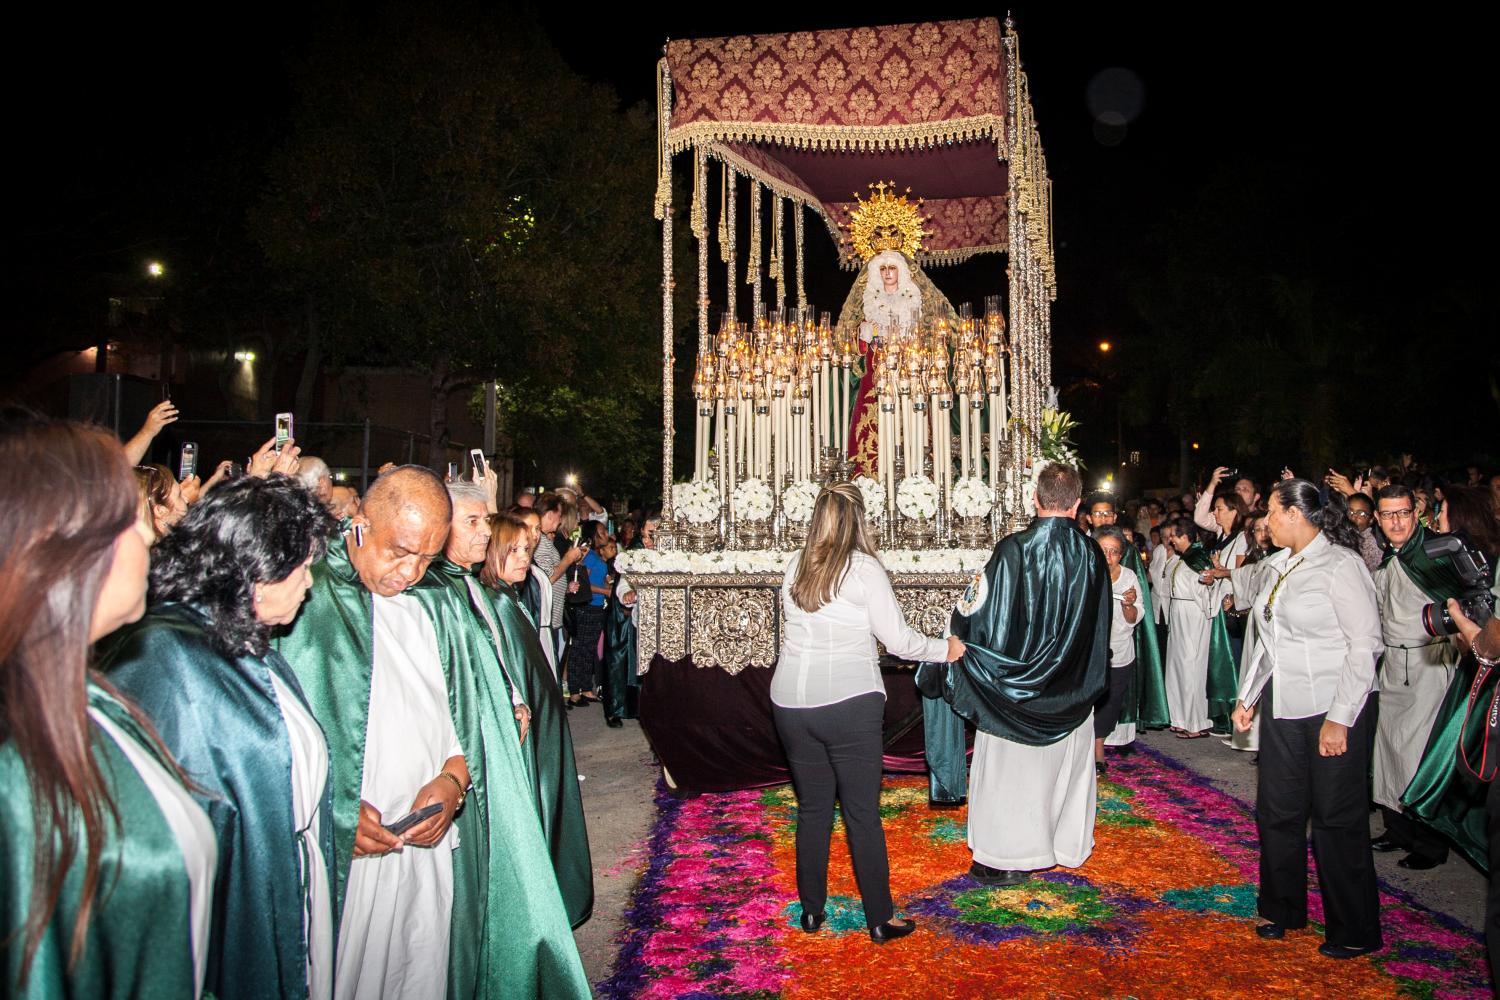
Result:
<point x="932" y="258"/>
<point x="698" y="219"/>
<point x="858" y="138"/>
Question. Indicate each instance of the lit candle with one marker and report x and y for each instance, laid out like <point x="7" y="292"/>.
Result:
<point x="963" y="435"/>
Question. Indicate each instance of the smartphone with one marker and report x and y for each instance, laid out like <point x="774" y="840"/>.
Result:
<point x="411" y="819"/>
<point x="476" y="458"/>
<point x="452" y="472"/>
<point x="236" y="470"/>
<point x="283" y="429"/>
<point x="187" y="465"/>
<point x="1231" y="472"/>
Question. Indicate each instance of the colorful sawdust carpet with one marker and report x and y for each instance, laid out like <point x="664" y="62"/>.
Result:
<point x="1163" y="908"/>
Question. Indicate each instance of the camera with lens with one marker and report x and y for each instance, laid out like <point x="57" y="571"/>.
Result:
<point x="1476" y="601"/>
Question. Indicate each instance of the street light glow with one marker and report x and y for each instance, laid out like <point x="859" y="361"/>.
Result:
<point x="1195" y="445"/>
<point x="245" y="357"/>
<point x="1104" y="346"/>
<point x="156" y="269"/>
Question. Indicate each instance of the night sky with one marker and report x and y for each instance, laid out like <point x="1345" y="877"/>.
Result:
<point x="1380" y="121"/>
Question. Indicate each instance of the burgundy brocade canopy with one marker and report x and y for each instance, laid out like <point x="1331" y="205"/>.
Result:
<point x="819" y="115"/>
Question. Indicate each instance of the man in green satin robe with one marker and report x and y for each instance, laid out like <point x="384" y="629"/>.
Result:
<point x="1036" y="623"/>
<point x="535" y="697"/>
<point x="379" y="657"/>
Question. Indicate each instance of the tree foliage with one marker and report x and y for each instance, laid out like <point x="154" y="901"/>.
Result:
<point x="457" y="201"/>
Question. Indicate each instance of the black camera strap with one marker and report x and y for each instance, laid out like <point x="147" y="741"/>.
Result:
<point x="1483" y="759"/>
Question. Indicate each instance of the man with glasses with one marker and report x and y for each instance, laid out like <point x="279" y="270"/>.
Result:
<point x="1414" y="673"/>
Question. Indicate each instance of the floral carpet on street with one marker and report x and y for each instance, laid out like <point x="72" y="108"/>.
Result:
<point x="1165" y="907"/>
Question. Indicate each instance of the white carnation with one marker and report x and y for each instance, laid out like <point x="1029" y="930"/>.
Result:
<point x="874" y="494"/>
<point x="797" y="500"/>
<point x="972" y="497"/>
<point x="917" y="496"/>
<point x="752" y="500"/>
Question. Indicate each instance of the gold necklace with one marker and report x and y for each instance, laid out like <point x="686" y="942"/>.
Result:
<point x="1265" y="612"/>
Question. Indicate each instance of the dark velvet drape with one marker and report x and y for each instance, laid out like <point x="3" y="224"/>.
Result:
<point x="713" y="730"/>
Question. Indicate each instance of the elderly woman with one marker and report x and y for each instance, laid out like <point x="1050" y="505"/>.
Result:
<point x="554" y="773"/>
<point x="231" y="711"/>
<point x="107" y="875"/>
<point x="1317" y="640"/>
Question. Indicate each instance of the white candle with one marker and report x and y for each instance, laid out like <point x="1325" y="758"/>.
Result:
<point x="963" y="435"/>
<point x="994" y="440"/>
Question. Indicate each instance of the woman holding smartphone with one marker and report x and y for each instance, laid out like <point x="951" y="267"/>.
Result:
<point x="828" y="701"/>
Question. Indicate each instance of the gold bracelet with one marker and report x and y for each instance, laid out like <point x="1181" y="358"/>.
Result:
<point x="462" y="794"/>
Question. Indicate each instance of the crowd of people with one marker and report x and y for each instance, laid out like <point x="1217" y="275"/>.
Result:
<point x="321" y="739"/>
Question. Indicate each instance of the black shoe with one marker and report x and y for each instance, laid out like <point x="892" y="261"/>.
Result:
<point x="1418" y="862"/>
<point x="1343" y="951"/>
<point x="1384" y="844"/>
<point x="613" y="722"/>
<point x="1100" y="767"/>
<point x="570" y="705"/>
<point x="996" y="877"/>
<point x="889" y="932"/>
<point x="812" y="921"/>
<point x="1271" y="932"/>
<point x="1124" y="751"/>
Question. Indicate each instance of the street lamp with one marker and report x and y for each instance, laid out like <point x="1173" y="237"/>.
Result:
<point x="1104" y="346"/>
<point x="156" y="268"/>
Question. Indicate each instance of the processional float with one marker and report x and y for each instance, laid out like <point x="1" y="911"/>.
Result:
<point x="915" y="145"/>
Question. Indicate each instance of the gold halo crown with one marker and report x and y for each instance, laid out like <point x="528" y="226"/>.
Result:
<point x="886" y="221"/>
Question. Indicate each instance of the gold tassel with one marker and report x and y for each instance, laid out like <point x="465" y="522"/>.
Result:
<point x="725" y="253"/>
<point x="698" y="219"/>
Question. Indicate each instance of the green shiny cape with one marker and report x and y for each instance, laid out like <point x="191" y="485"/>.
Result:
<point x="1223" y="670"/>
<point x="619" y="661"/>
<point x="139" y="937"/>
<point x="1038" y="641"/>
<point x="1440" y="794"/>
<point x="220" y="718"/>
<point x="548" y="750"/>
<point x="1146" y="697"/>
<point x="510" y="935"/>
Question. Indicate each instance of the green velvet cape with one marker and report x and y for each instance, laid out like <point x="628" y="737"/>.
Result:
<point x="620" y="682"/>
<point x="548" y="750"/>
<point x="1440" y="793"/>
<point x="220" y="718"/>
<point x="1146" y="697"/>
<point x="1036" y="625"/>
<point x="510" y="935"/>
<point x="140" y="933"/>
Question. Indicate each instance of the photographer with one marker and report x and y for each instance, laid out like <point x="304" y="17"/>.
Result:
<point x="1415" y="672"/>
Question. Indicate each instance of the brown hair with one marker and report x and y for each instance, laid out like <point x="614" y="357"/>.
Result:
<point x="153" y="484"/>
<point x="1058" y="486"/>
<point x="504" y="530"/>
<point x="66" y="494"/>
<point x="1471" y="511"/>
<point x="836" y="532"/>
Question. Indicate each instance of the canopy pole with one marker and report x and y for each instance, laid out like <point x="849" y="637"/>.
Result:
<point x="778" y="249"/>
<point x="797" y="211"/>
<point x="667" y="537"/>
<point x="731" y="182"/>
<point x="753" y="276"/>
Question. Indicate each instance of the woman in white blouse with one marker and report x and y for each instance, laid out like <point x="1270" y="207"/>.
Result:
<point x="1317" y="639"/>
<point x="828" y="701"/>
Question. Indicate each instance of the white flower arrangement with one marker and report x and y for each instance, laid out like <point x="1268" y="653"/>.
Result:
<point x="874" y="494"/>
<point x="696" y="501"/>
<point x="972" y="497"/>
<point x="953" y="561"/>
<point x="917" y="496"/>
<point x="752" y="500"/>
<point x="797" y="500"/>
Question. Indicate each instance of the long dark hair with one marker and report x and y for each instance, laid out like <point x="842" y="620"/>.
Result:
<point x="66" y="495"/>
<point x="1471" y="511"/>
<point x="241" y="533"/>
<point x="1331" y="518"/>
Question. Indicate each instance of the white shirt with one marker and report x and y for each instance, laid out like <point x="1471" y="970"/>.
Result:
<point x="309" y="775"/>
<point x="1156" y="573"/>
<point x="829" y="655"/>
<point x="1323" y="637"/>
<point x="190" y="828"/>
<point x="1122" y="632"/>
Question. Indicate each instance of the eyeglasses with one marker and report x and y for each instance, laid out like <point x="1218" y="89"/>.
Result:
<point x="1363" y="514"/>
<point x="1395" y="515"/>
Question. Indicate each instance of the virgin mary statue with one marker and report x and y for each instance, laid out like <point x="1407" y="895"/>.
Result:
<point x="890" y="298"/>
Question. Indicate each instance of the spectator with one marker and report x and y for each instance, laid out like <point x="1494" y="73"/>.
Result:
<point x="551" y="508"/>
<point x="108" y="862"/>
<point x="1362" y="516"/>
<point x="343" y="502"/>
<point x="583" y="652"/>
<point x="161" y="501"/>
<point x="232" y="713"/>
<point x="313" y="474"/>
<point x="1125" y="589"/>
<point x="160" y="416"/>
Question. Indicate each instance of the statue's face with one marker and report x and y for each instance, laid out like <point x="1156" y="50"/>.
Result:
<point x="890" y="275"/>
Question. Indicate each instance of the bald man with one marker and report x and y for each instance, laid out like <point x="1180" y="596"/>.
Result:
<point x="453" y="903"/>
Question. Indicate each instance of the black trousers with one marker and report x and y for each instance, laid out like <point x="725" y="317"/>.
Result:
<point x="835" y="753"/>
<point x="1492" y="901"/>
<point x="1295" y="784"/>
<point x="583" y="654"/>
<point x="1107" y="712"/>
<point x="1414" y="835"/>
